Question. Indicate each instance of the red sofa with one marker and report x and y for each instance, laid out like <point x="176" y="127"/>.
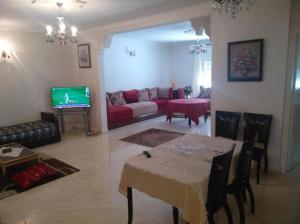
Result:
<point x="134" y="109"/>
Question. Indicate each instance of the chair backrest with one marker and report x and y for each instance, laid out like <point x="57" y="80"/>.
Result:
<point x="227" y="124"/>
<point x="218" y="179"/>
<point x="244" y="164"/>
<point x="257" y="128"/>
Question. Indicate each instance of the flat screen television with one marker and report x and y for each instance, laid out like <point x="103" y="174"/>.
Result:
<point x="70" y="97"/>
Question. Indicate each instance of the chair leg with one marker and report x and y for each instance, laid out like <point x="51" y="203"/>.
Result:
<point x="266" y="162"/>
<point x="175" y="215"/>
<point x="243" y="190"/>
<point x="239" y="200"/>
<point x="228" y="212"/>
<point x="130" y="208"/>
<point x="210" y="218"/>
<point x="258" y="165"/>
<point x="250" y="191"/>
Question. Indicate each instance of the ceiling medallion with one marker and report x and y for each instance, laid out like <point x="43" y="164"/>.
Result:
<point x="233" y="7"/>
<point x="61" y="32"/>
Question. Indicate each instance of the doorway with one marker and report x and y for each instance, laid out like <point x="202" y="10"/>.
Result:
<point x="295" y="139"/>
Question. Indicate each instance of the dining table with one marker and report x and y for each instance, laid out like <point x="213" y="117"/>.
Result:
<point x="177" y="173"/>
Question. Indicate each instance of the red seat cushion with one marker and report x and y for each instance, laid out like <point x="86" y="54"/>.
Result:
<point x="162" y="104"/>
<point x="180" y="93"/>
<point x="131" y="96"/>
<point x="119" y="114"/>
<point x="33" y="175"/>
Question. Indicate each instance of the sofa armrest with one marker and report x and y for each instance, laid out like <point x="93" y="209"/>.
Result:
<point x="46" y="116"/>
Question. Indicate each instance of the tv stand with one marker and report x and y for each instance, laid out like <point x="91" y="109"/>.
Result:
<point x="80" y="111"/>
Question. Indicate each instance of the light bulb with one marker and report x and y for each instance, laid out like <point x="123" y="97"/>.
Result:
<point x="74" y="31"/>
<point x="62" y="28"/>
<point x="49" y="30"/>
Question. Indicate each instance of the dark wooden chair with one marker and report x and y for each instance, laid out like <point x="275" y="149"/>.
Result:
<point x="257" y="128"/>
<point x="217" y="186"/>
<point x="227" y="124"/>
<point x="241" y="182"/>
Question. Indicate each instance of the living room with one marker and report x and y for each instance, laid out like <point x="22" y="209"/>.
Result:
<point x="96" y="185"/>
<point x="165" y="60"/>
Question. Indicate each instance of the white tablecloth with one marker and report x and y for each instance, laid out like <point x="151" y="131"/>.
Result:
<point x="178" y="172"/>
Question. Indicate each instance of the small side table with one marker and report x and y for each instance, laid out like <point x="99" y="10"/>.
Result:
<point x="25" y="156"/>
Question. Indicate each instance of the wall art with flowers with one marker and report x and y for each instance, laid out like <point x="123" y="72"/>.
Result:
<point x="245" y="60"/>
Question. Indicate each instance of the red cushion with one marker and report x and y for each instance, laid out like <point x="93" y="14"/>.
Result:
<point x="162" y="104"/>
<point x="119" y="114"/>
<point x="33" y="175"/>
<point x="131" y="96"/>
<point x="180" y="93"/>
<point x="171" y="93"/>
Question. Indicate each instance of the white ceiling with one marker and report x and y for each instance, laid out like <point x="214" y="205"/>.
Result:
<point x="170" y="33"/>
<point x="23" y="15"/>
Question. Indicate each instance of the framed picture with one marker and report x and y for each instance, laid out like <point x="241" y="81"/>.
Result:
<point x="245" y="60"/>
<point x="84" y="55"/>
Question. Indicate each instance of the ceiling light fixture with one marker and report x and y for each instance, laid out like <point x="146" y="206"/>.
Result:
<point x="61" y="32"/>
<point x="198" y="47"/>
<point x="232" y="6"/>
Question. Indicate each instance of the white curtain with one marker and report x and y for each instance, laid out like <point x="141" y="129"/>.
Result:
<point x="202" y="73"/>
<point x="198" y="70"/>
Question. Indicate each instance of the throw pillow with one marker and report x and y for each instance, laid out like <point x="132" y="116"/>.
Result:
<point x="180" y="93"/>
<point x="164" y="93"/>
<point x="131" y="96"/>
<point x="117" y="98"/>
<point x="143" y="95"/>
<point x="205" y="92"/>
<point x="108" y="102"/>
<point x="153" y="93"/>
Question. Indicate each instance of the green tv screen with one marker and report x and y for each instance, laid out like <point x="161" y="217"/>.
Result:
<point x="70" y="97"/>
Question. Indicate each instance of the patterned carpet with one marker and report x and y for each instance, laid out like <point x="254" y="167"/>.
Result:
<point x="152" y="137"/>
<point x="9" y="188"/>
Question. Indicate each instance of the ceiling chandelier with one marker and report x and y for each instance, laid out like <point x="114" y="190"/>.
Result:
<point x="61" y="32"/>
<point x="232" y="6"/>
<point x="197" y="48"/>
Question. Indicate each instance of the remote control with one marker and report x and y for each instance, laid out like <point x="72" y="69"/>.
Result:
<point x="147" y="154"/>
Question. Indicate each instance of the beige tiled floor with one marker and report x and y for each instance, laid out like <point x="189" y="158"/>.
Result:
<point x="91" y="196"/>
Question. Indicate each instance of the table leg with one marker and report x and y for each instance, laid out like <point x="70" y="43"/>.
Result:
<point x="175" y="215"/>
<point x="190" y="122"/>
<point x="4" y="172"/>
<point x="130" y="208"/>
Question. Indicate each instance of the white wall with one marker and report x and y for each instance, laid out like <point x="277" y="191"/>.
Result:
<point x="149" y="68"/>
<point x="155" y="64"/>
<point x="25" y="82"/>
<point x="182" y="63"/>
<point x="261" y="21"/>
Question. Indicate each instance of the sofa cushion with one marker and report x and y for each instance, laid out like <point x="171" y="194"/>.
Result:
<point x="108" y="101"/>
<point x="165" y="93"/>
<point x="143" y="95"/>
<point x="117" y="98"/>
<point x="162" y="104"/>
<point x="131" y="96"/>
<point x="119" y="114"/>
<point x="143" y="108"/>
<point x="205" y="92"/>
<point x="27" y="132"/>
<point x="180" y="93"/>
<point x="153" y="92"/>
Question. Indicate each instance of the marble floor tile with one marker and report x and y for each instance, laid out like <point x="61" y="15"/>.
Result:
<point x="91" y="196"/>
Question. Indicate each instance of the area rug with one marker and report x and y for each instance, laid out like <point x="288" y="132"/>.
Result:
<point x="152" y="137"/>
<point x="8" y="188"/>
